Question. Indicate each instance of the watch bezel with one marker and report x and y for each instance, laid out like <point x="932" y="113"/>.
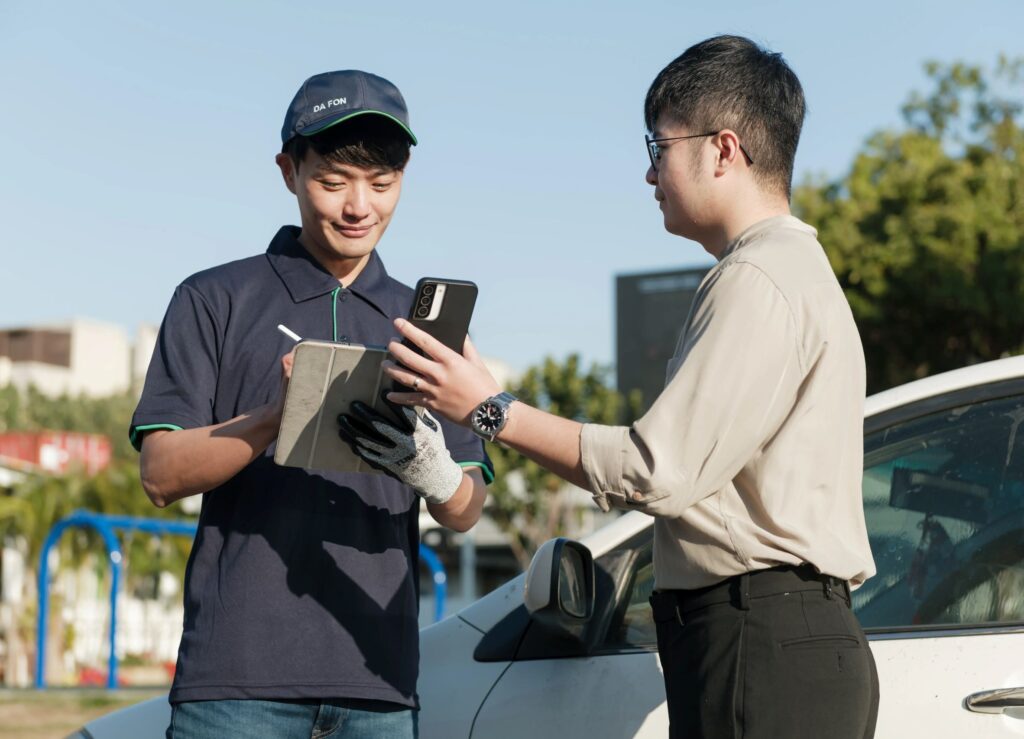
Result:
<point x="499" y="403"/>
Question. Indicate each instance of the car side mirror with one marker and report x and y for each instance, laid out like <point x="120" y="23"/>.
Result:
<point x="559" y="590"/>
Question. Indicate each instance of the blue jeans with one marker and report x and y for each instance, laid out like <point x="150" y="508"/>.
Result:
<point x="247" y="719"/>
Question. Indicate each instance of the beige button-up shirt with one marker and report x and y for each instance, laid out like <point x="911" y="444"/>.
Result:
<point x="752" y="455"/>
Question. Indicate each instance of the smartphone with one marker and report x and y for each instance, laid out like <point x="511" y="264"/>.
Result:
<point x="443" y="308"/>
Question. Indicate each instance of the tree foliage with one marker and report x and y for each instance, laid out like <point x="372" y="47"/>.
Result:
<point x="926" y="231"/>
<point x="527" y="502"/>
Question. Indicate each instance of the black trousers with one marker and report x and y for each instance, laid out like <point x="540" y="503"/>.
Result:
<point x="772" y="654"/>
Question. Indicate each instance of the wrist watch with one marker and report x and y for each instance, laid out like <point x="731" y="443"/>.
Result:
<point x="490" y="417"/>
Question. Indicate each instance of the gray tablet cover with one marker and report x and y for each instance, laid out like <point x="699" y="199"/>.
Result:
<point x="326" y="378"/>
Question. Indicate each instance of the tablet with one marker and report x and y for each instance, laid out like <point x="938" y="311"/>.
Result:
<point x="326" y="378"/>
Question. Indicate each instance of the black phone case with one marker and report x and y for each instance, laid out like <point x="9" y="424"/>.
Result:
<point x="451" y="327"/>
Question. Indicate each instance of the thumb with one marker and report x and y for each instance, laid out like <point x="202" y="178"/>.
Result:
<point x="410" y="415"/>
<point x="286" y="364"/>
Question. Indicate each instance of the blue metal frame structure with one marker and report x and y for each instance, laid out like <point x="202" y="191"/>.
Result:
<point x="108" y="526"/>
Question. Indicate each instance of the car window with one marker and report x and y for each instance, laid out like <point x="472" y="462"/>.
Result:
<point x="633" y="625"/>
<point x="944" y="504"/>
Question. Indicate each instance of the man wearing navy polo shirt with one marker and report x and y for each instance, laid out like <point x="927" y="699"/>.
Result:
<point x="301" y="592"/>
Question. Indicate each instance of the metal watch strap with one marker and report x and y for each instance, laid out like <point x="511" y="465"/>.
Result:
<point x="504" y="400"/>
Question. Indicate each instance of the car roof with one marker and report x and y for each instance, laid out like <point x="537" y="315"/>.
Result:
<point x="947" y="382"/>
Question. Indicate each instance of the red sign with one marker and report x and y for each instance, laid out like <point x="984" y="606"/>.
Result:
<point x="57" y="451"/>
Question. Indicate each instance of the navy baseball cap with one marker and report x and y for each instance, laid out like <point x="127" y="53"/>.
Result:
<point x="327" y="99"/>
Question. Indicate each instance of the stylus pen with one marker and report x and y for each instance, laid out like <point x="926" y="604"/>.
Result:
<point x="288" y="332"/>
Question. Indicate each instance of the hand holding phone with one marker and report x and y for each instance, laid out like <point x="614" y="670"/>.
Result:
<point x="442" y="308"/>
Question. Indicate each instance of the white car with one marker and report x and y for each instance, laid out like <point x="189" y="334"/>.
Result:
<point x="568" y="650"/>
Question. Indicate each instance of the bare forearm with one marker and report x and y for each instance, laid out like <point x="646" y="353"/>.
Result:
<point x="462" y="510"/>
<point x="550" y="441"/>
<point x="177" y="464"/>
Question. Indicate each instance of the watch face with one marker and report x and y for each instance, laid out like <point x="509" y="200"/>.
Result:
<point x="489" y="417"/>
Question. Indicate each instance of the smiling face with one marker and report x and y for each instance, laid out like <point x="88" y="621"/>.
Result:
<point x="345" y="208"/>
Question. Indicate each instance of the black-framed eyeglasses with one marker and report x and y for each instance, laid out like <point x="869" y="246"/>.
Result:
<point x="654" y="151"/>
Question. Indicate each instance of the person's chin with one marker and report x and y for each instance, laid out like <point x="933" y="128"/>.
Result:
<point x="672" y="225"/>
<point x="685" y="230"/>
<point x="352" y="248"/>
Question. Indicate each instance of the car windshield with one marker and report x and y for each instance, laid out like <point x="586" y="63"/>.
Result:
<point x="944" y="502"/>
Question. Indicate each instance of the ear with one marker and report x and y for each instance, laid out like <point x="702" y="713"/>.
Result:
<point x="287" y="166"/>
<point x="729" y="153"/>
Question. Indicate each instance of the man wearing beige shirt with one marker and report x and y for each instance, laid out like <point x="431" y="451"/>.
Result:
<point x="750" y="460"/>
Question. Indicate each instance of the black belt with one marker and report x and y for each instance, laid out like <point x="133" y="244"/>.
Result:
<point x="739" y="589"/>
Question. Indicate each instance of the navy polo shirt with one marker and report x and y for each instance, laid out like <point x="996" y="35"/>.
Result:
<point x="301" y="583"/>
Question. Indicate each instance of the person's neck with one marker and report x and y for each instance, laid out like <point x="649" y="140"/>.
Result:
<point x="345" y="269"/>
<point x="740" y="219"/>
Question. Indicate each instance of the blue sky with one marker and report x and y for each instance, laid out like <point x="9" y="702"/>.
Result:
<point x="139" y="139"/>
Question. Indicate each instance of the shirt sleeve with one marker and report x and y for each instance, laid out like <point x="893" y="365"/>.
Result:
<point x="181" y="381"/>
<point x="467" y="449"/>
<point x="738" y="372"/>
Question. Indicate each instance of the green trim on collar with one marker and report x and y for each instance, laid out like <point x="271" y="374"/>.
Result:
<point x="135" y="436"/>
<point x="488" y="475"/>
<point x="334" y="310"/>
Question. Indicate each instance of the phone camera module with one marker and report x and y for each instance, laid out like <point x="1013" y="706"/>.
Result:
<point x="422" y="312"/>
<point x="428" y="289"/>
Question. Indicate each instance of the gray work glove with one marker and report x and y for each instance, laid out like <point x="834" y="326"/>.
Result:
<point x="416" y="454"/>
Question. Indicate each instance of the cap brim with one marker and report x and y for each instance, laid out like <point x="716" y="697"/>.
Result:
<point x="331" y="122"/>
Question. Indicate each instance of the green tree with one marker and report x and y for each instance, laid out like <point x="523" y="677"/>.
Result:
<point x="528" y="503"/>
<point x="926" y="231"/>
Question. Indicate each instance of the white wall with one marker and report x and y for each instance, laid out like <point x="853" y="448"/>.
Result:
<point x="100" y="358"/>
<point x="142" y="352"/>
<point x="104" y="361"/>
<point x="47" y="378"/>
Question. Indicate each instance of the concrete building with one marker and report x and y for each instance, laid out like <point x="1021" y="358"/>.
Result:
<point x="79" y="357"/>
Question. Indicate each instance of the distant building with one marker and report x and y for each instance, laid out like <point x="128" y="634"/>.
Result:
<point x="80" y="357"/>
<point x="650" y="311"/>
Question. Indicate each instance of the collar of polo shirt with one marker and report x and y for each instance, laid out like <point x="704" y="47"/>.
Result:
<point x="305" y="278"/>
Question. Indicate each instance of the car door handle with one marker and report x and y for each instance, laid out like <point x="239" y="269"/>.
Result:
<point x="995" y="701"/>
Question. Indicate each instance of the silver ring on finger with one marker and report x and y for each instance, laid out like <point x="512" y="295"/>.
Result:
<point x="416" y="384"/>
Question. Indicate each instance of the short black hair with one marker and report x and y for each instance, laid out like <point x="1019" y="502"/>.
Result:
<point x="370" y="141"/>
<point x="731" y="82"/>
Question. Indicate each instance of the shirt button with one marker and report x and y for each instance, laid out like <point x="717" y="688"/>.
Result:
<point x="342" y="296"/>
<point x="344" y="340"/>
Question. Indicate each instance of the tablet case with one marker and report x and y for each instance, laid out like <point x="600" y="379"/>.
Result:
<point x="326" y="378"/>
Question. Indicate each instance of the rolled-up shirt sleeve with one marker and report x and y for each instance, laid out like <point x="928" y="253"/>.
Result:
<point x="736" y="378"/>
